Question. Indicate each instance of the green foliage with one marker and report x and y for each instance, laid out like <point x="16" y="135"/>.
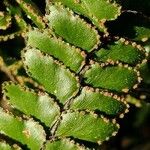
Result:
<point x="98" y="11"/>
<point x="32" y="11"/>
<point x="99" y="100"/>
<point x="45" y="67"/>
<point x="26" y="131"/>
<point x="118" y="77"/>
<point x="57" y="48"/>
<point x="47" y="111"/>
<point x="63" y="144"/>
<point x="71" y="85"/>
<point x="82" y="35"/>
<point x="4" y="21"/>
<point x="129" y="50"/>
<point x="4" y="146"/>
<point x="101" y="128"/>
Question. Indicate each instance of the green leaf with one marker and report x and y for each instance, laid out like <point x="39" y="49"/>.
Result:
<point x="5" y="146"/>
<point x="20" y="23"/>
<point x="73" y="29"/>
<point x="57" y="48"/>
<point x="13" y="8"/>
<point x="98" y="11"/>
<point x="24" y="99"/>
<point x="19" y="26"/>
<point x="123" y="51"/>
<point x="117" y="78"/>
<point x="54" y="77"/>
<point x="71" y="90"/>
<point x="98" y="100"/>
<point x="5" y="20"/>
<point x="32" y="11"/>
<point x="27" y="132"/>
<point x="61" y="144"/>
<point x="87" y="127"/>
